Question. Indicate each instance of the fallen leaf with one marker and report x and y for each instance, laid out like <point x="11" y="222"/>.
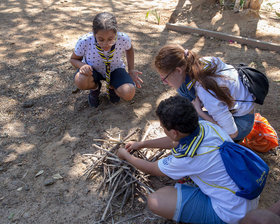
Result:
<point x="39" y="173"/>
<point x="57" y="176"/>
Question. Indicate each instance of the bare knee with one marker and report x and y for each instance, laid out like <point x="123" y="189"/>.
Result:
<point x="126" y="91"/>
<point x="84" y="82"/>
<point x="163" y="202"/>
<point x="153" y="204"/>
<point x="260" y="216"/>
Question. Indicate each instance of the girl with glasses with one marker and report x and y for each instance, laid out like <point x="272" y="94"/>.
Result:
<point x="98" y="56"/>
<point x="210" y="83"/>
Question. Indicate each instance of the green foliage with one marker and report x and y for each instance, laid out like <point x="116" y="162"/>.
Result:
<point x="271" y="8"/>
<point x="155" y="14"/>
<point x="222" y="2"/>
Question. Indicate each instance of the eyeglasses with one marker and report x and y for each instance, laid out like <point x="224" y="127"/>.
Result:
<point x="164" y="79"/>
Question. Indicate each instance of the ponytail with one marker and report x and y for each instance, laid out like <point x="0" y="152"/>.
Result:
<point x="171" y="56"/>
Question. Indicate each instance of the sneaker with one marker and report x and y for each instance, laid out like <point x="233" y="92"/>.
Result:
<point x="93" y="97"/>
<point x="114" y="98"/>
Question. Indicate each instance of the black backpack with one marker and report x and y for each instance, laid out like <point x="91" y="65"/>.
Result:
<point x="255" y="81"/>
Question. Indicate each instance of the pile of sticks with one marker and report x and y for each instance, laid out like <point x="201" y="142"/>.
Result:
<point x="119" y="179"/>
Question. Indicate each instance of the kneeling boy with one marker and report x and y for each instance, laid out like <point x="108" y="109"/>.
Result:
<point x="194" y="155"/>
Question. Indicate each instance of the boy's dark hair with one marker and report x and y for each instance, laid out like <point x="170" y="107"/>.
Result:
<point x="177" y="113"/>
<point x="104" y="21"/>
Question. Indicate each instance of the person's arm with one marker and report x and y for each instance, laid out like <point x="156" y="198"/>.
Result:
<point x="162" y="143"/>
<point x="234" y="135"/>
<point x="275" y="208"/>
<point x="197" y="105"/>
<point x="219" y="111"/>
<point x="130" y="64"/>
<point x="76" y="61"/>
<point x="143" y="165"/>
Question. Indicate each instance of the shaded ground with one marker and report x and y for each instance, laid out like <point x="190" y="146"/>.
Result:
<point x="43" y="126"/>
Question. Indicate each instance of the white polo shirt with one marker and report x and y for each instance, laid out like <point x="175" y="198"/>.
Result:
<point x="209" y="169"/>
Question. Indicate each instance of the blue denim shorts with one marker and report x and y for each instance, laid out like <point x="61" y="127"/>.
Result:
<point x="194" y="207"/>
<point x="118" y="77"/>
<point x="244" y="126"/>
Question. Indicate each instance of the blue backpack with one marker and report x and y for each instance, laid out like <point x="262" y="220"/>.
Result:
<point x="246" y="168"/>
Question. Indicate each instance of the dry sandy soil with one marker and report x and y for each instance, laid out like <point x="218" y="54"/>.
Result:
<point x="44" y="126"/>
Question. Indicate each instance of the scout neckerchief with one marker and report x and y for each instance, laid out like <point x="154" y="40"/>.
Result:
<point x="107" y="61"/>
<point x="190" y="83"/>
<point x="190" y="86"/>
<point x="188" y="145"/>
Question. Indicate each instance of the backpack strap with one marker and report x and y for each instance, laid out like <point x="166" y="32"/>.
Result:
<point x="236" y="68"/>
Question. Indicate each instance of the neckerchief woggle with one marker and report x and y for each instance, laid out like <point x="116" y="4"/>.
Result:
<point x="107" y="61"/>
<point x="188" y="145"/>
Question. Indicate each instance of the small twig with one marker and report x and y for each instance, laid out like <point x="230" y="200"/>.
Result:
<point x="109" y="173"/>
<point x="146" y="133"/>
<point x="132" y="193"/>
<point x="125" y="176"/>
<point x="109" y="202"/>
<point x="103" y="180"/>
<point x="158" y="155"/>
<point x="93" y="175"/>
<point x="125" y="197"/>
<point x="108" y="140"/>
<point x="110" y="153"/>
<point x="112" y="217"/>
<point x="105" y="150"/>
<point x="140" y="194"/>
<point x="115" y="174"/>
<point x="128" y="191"/>
<point x="133" y="217"/>
<point x="132" y="133"/>
<point x="110" y="150"/>
<point x="139" y="182"/>
<point x="129" y="183"/>
<point x="119" y="192"/>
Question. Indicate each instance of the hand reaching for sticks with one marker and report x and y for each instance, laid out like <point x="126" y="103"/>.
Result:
<point x="123" y="153"/>
<point x="130" y="146"/>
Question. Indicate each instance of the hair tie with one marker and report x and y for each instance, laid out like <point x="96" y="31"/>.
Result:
<point x="186" y="53"/>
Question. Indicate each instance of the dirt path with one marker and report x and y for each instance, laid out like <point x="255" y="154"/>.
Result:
<point x="44" y="127"/>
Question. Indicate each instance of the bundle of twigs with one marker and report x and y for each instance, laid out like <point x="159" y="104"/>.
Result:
<point x="120" y="179"/>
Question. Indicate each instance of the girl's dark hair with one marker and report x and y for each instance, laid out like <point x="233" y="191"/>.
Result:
<point x="177" y="113"/>
<point x="171" y="56"/>
<point x="104" y="21"/>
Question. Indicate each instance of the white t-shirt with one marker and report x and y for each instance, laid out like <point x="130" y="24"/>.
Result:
<point x="209" y="168"/>
<point x="218" y="109"/>
<point x="86" y="48"/>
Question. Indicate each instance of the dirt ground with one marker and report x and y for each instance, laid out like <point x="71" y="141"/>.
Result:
<point x="45" y="127"/>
